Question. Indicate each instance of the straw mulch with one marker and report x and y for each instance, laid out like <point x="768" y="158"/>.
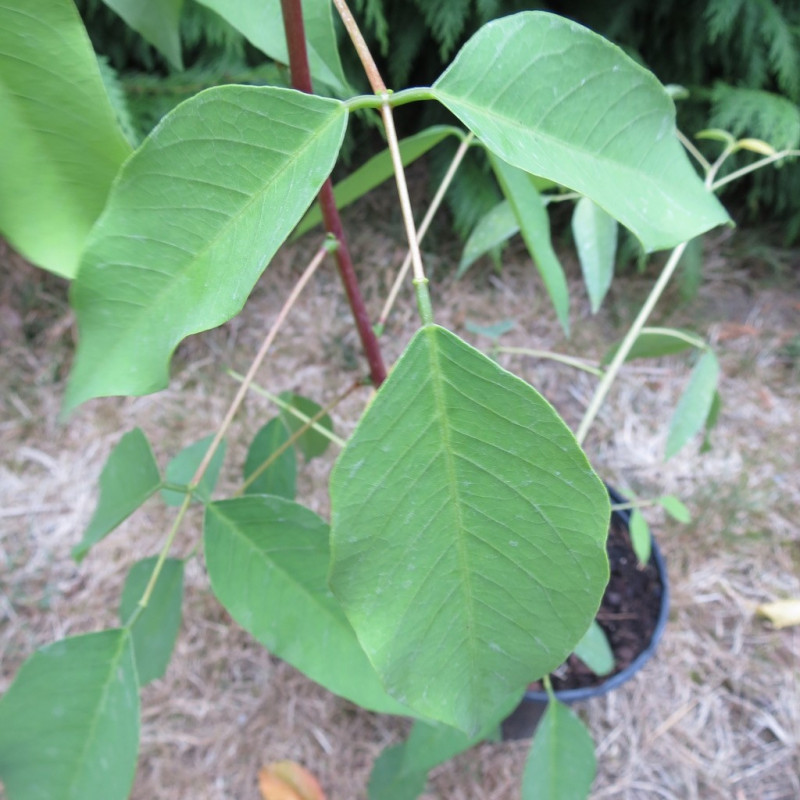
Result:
<point x="715" y="716"/>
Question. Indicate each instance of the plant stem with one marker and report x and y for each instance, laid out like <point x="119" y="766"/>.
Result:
<point x="379" y="88"/>
<point x="301" y="79"/>
<point x="423" y="228"/>
<point x="251" y="373"/>
<point x="570" y="361"/>
<point x="295" y="412"/>
<point x="690" y="146"/>
<point x="162" y="557"/>
<point x="754" y="166"/>
<point x="627" y="343"/>
<point x="395" y="99"/>
<point x="307" y="425"/>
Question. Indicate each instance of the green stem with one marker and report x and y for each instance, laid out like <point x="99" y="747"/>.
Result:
<point x="752" y="167"/>
<point x="570" y="361"/>
<point x="395" y="99"/>
<point x="162" y="557"/>
<point x="627" y="343"/>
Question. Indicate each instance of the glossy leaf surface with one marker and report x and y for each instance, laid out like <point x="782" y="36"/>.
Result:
<point x="268" y="560"/>
<point x="561" y="763"/>
<point x="182" y="468"/>
<point x="280" y="478"/>
<point x="60" y="146"/>
<point x="534" y="225"/>
<point x="158" y="21"/>
<point x="69" y="724"/>
<point x="558" y="101"/>
<point x="129" y="477"/>
<point x="468" y="533"/>
<point x="595" y="234"/>
<point x="156" y="628"/>
<point x="695" y="404"/>
<point x="261" y="24"/>
<point x="191" y="224"/>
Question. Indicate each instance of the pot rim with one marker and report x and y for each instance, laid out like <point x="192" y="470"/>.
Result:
<point x="586" y="692"/>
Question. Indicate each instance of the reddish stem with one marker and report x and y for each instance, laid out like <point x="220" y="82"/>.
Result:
<point x="301" y="79"/>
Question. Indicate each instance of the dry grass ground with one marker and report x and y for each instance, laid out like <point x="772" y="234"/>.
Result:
<point x="715" y="716"/>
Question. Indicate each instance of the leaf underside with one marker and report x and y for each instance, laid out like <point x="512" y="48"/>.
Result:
<point x="561" y="102"/>
<point x="467" y="533"/>
<point x="193" y="220"/>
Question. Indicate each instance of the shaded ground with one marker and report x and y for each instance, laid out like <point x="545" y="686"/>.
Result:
<point x="715" y="716"/>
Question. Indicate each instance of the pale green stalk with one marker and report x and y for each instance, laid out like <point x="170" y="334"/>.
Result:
<point x="627" y="343"/>
<point x="570" y="361"/>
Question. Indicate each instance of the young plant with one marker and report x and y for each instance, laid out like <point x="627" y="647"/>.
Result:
<point x="465" y="555"/>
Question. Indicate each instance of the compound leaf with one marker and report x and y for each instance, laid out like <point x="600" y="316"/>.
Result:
<point x="558" y="101"/>
<point x="268" y="560"/>
<point x="156" y="628"/>
<point x="468" y="533"/>
<point x="60" y="145"/>
<point x="129" y="477"/>
<point x="191" y="223"/>
<point x="69" y="724"/>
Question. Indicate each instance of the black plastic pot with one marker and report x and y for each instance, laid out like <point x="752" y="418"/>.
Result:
<point x="521" y="724"/>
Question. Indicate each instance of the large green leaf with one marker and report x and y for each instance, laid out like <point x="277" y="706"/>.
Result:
<point x="595" y="234"/>
<point x="695" y="404"/>
<point x="561" y="763"/>
<point x="534" y="224"/>
<point x="182" y="468"/>
<point x="268" y="560"/>
<point x="156" y="628"/>
<point x="60" y="145"/>
<point x="261" y="23"/>
<point x="158" y="21"/>
<point x="129" y="477"/>
<point x="69" y="724"/>
<point x="280" y="477"/>
<point x="468" y="533"/>
<point x="559" y="101"/>
<point x="378" y="169"/>
<point x="191" y="223"/>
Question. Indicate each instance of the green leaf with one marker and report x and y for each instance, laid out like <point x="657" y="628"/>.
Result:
<point x="401" y="771"/>
<point x="158" y="21"/>
<point x="60" y="145"/>
<point x="183" y="467"/>
<point x="494" y="331"/>
<point x="595" y="234"/>
<point x="468" y="533"/>
<point x="379" y="169"/>
<point x="312" y="443"/>
<point x="534" y="225"/>
<point x="561" y="102"/>
<point x="711" y="422"/>
<point x="640" y="536"/>
<point x="261" y="24"/>
<point x="595" y="651"/>
<point x="695" y="403"/>
<point x="561" y="763"/>
<point x="494" y="228"/>
<point x="280" y="477"/>
<point x="268" y="559"/>
<point x="129" y="477"/>
<point x="657" y="342"/>
<point x="156" y="628"/>
<point x="193" y="220"/>
<point x="675" y="508"/>
<point x="69" y="724"/>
